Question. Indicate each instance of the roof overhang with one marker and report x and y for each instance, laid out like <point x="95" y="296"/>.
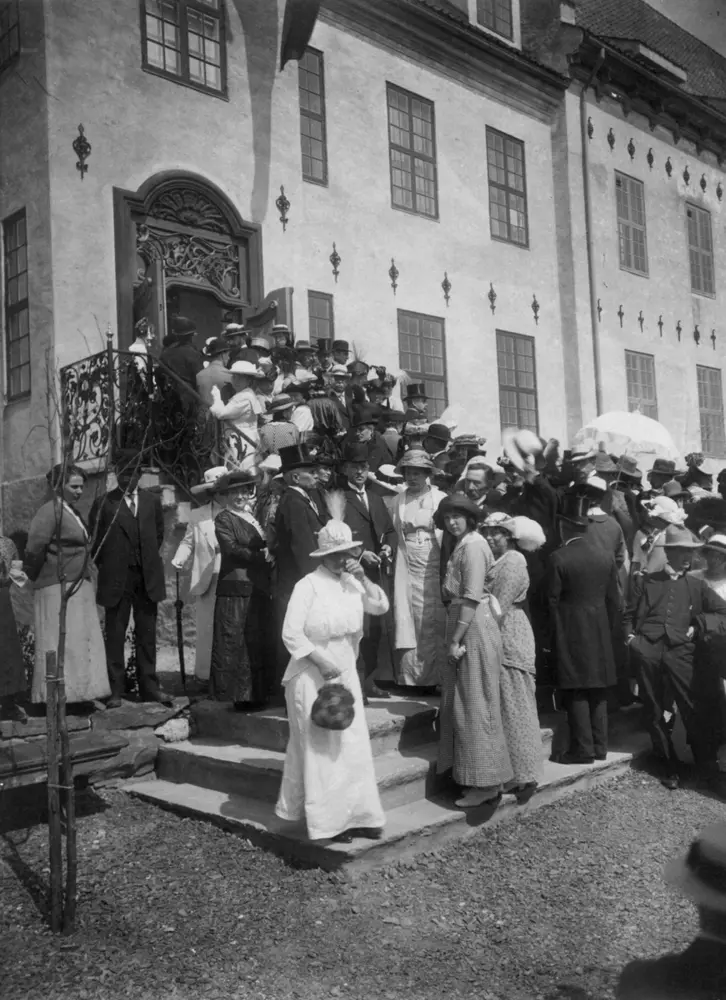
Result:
<point x="650" y="58"/>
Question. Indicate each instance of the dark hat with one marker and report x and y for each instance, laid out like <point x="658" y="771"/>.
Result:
<point x="341" y="345"/>
<point x="281" y="402"/>
<point x="701" y="875"/>
<point x="628" y="466"/>
<point x="334" y="707"/>
<point x="183" y="327"/>
<point x="355" y="453"/>
<point x="323" y="458"/>
<point x="459" y="503"/>
<point x="295" y="456"/>
<point x="391" y="415"/>
<point x="358" y="368"/>
<point x="303" y="346"/>
<point x="574" y="509"/>
<point x="603" y="463"/>
<point x="324" y="345"/>
<point x="673" y="489"/>
<point x="664" y="467"/>
<point x="215" y="347"/>
<point x="239" y="477"/>
<point x="416" y="390"/>
<point x="366" y="413"/>
<point x="439" y="432"/>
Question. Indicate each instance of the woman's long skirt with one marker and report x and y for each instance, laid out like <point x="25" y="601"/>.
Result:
<point x="205" y="606"/>
<point x="241" y="670"/>
<point x="328" y="779"/>
<point x="521" y="724"/>
<point x="423" y="666"/>
<point x="472" y="735"/>
<point x="85" y="670"/>
<point x="12" y="669"/>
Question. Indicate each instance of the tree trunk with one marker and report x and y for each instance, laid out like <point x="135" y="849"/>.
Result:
<point x="54" y="814"/>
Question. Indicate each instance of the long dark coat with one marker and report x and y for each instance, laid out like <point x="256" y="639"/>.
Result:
<point x="111" y="514"/>
<point x="373" y="528"/>
<point x="296" y="527"/>
<point x="582" y="589"/>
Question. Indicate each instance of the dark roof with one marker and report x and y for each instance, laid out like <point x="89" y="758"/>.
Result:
<point x="635" y="20"/>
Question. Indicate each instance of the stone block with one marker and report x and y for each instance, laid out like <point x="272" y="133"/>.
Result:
<point x="137" y="758"/>
<point x="137" y="715"/>
<point x="39" y="727"/>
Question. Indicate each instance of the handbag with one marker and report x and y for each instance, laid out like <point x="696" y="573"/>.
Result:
<point x="334" y="707"/>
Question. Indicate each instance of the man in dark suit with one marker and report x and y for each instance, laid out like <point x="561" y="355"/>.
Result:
<point x="367" y="516"/>
<point x="699" y="972"/>
<point x="128" y="530"/>
<point x="363" y="430"/>
<point x="300" y="516"/>
<point x="182" y="357"/>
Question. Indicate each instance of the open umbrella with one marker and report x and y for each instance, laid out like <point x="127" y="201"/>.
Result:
<point x="628" y="434"/>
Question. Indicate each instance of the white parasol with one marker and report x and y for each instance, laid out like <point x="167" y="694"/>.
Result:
<point x="628" y="434"/>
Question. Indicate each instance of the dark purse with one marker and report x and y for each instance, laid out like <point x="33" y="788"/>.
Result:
<point x="334" y="707"/>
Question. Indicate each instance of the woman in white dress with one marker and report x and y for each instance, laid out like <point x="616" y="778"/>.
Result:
<point x="419" y="613"/>
<point x="58" y="546"/>
<point x="328" y="778"/>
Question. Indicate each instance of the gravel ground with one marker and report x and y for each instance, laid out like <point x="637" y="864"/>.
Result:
<point x="546" y="908"/>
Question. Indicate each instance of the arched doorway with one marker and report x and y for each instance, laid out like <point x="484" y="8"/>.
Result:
<point x="182" y="247"/>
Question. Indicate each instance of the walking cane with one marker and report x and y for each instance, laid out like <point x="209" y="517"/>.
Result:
<point x="179" y="605"/>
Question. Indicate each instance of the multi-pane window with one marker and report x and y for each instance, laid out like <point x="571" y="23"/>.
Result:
<point x="412" y="141"/>
<point x="640" y="377"/>
<point x="17" y="326"/>
<point x="700" y="250"/>
<point x="312" y="117"/>
<point x="9" y="32"/>
<point x="495" y="15"/>
<point x="630" y="198"/>
<point x="422" y="353"/>
<point x="507" y="188"/>
<point x="320" y="314"/>
<point x="184" y="40"/>
<point x="710" y="405"/>
<point x="517" y="381"/>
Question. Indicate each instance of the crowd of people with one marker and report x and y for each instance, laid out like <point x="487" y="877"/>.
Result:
<point x="339" y="529"/>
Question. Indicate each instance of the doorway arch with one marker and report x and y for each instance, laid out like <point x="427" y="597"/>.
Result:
<point x="179" y="233"/>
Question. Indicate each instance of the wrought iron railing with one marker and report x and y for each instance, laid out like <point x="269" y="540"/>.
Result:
<point x="118" y="399"/>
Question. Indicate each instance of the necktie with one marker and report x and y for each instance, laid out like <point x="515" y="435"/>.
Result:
<point x="132" y="505"/>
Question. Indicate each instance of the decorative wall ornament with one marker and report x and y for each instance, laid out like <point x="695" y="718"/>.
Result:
<point x="631" y="149"/>
<point x="641" y="320"/>
<point x="535" y="309"/>
<point x="669" y="166"/>
<point x="189" y="208"/>
<point x="599" y="311"/>
<point x="713" y="339"/>
<point x="697" y="334"/>
<point x="621" y="313"/>
<point x="660" y="325"/>
<point x="679" y="330"/>
<point x="283" y="207"/>
<point x="335" y="261"/>
<point x="446" y="286"/>
<point x="590" y="128"/>
<point x="492" y="296"/>
<point x="82" y="149"/>
<point x="393" y="275"/>
<point x="611" y="139"/>
<point x="719" y="191"/>
<point x="686" y="174"/>
<point x="192" y="259"/>
<point x="650" y="158"/>
<point x="702" y="182"/>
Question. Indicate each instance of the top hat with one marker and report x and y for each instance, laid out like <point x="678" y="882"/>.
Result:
<point x="357" y="453"/>
<point x="183" y="327"/>
<point x="280" y="402"/>
<point x="628" y="466"/>
<point x="574" y="509"/>
<point x="701" y="875"/>
<point x="415" y="458"/>
<point x="303" y="346"/>
<point x="214" y="347"/>
<point x="365" y="413"/>
<point x="211" y="478"/>
<point x="439" y="432"/>
<point x="295" y="456"/>
<point x="677" y="536"/>
<point x="341" y="345"/>
<point x="238" y="477"/>
<point x="416" y="390"/>
<point x="664" y="467"/>
<point x="324" y="345"/>
<point x="358" y="367"/>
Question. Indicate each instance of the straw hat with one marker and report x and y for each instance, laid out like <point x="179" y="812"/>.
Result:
<point x="520" y="447"/>
<point x="245" y="368"/>
<point x="238" y="477"/>
<point x="336" y="536"/>
<point x="211" y="477"/>
<point x="415" y="458"/>
<point x="677" y="536"/>
<point x="717" y="542"/>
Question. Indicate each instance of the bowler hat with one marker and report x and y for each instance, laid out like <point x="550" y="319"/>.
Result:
<point x="215" y="347"/>
<point x="366" y="413"/>
<point x="183" y="327"/>
<point x="295" y="456"/>
<point x="245" y="368"/>
<point x="673" y="489"/>
<point x="439" y="432"/>
<point x="341" y="345"/>
<point x="303" y="347"/>
<point x="664" y="467"/>
<point x="701" y="875"/>
<point x="357" y="453"/>
<point x="334" y="707"/>
<point x="416" y="390"/>
<point x="677" y="536"/>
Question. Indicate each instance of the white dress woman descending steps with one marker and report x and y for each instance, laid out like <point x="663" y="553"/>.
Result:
<point x="328" y="777"/>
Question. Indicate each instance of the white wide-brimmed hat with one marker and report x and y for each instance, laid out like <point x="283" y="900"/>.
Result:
<point x="245" y="368"/>
<point x="336" y="536"/>
<point x="520" y="447"/>
<point x="717" y="542"/>
<point x="211" y="477"/>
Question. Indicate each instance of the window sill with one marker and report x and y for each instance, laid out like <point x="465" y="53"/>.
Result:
<point x="510" y="243"/>
<point x="315" y="181"/>
<point x="180" y="81"/>
<point x="638" y="274"/>
<point x="412" y="211"/>
<point x="17" y="399"/>
<point x="703" y="295"/>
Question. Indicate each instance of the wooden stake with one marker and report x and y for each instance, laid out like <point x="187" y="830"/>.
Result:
<point x="66" y="770"/>
<point x="55" y="838"/>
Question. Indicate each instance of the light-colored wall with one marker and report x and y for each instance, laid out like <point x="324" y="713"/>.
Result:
<point x="140" y="124"/>
<point x="666" y="291"/>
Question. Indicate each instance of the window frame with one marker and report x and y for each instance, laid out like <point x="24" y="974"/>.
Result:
<point x="15" y="309"/>
<point x="620" y="175"/>
<point x="502" y="34"/>
<point x="640" y="398"/>
<point x="508" y="190"/>
<point x="313" y="295"/>
<point x="698" y="249"/>
<point x="322" y="118"/>
<point x="13" y="26"/>
<point x="198" y="6"/>
<point x="534" y="392"/>
<point x="704" y="412"/>
<point x="433" y="159"/>
<point x="421" y="376"/>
